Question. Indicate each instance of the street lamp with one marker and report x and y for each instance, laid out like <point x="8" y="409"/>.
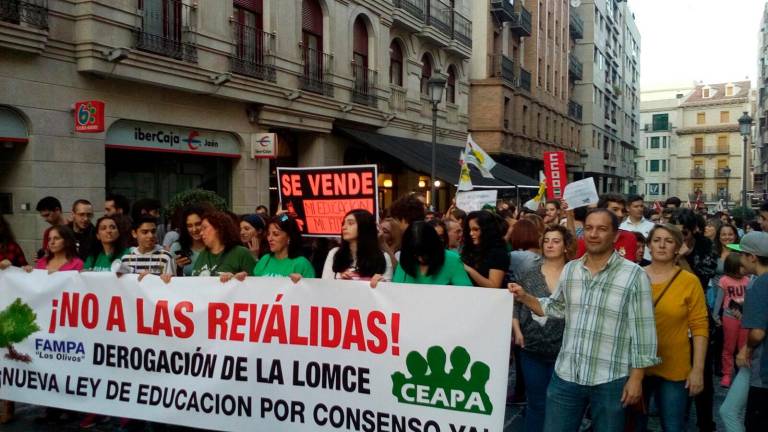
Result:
<point x="727" y="174"/>
<point x="745" y="128"/>
<point x="583" y="155"/>
<point x="436" y="84"/>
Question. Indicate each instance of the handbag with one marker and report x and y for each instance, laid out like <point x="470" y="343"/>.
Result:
<point x="638" y="409"/>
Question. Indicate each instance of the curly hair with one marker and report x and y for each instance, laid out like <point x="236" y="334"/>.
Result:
<point x="718" y="244"/>
<point x="491" y="237"/>
<point x="229" y="233"/>
<point x="569" y="241"/>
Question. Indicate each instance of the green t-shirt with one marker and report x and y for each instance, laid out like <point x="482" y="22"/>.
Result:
<point x="236" y="260"/>
<point x="102" y="263"/>
<point x="270" y="266"/>
<point x="452" y="273"/>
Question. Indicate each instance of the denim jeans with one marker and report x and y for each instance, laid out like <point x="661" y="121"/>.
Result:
<point x="734" y="406"/>
<point x="672" y="401"/>
<point x="566" y="403"/>
<point x="538" y="373"/>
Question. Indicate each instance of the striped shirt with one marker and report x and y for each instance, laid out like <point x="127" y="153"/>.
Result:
<point x="609" y="322"/>
<point x="156" y="262"/>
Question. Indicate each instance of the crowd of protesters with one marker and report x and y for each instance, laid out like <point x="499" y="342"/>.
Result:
<point x="620" y="311"/>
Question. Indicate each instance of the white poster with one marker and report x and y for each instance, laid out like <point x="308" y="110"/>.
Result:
<point x="581" y="193"/>
<point x="475" y="200"/>
<point x="264" y="354"/>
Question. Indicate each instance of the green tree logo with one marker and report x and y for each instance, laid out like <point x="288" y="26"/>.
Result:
<point x="430" y="384"/>
<point x="17" y="322"/>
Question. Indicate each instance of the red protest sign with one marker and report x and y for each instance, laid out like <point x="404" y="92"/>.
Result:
<point x="557" y="177"/>
<point x="321" y="196"/>
<point x="89" y="116"/>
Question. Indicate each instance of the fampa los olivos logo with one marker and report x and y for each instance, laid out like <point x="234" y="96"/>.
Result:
<point x="17" y="323"/>
<point x="431" y="385"/>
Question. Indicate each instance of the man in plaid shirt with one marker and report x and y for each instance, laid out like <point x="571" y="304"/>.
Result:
<point x="610" y="332"/>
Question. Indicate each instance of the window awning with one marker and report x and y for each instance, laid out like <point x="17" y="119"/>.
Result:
<point x="417" y="155"/>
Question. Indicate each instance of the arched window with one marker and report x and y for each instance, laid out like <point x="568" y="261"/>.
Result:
<point x="360" y="43"/>
<point x="450" y="88"/>
<point x="395" y="64"/>
<point x="426" y="73"/>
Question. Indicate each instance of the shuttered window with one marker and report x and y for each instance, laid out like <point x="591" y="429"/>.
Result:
<point x="395" y="64"/>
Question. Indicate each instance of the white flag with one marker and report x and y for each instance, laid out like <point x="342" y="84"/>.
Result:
<point x="465" y="180"/>
<point x="478" y="157"/>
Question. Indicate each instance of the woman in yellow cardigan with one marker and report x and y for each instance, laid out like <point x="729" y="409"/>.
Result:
<point x="681" y="311"/>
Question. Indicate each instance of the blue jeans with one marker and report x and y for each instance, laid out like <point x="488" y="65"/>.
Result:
<point x="734" y="407"/>
<point x="672" y="401"/>
<point x="566" y="403"/>
<point x="537" y="374"/>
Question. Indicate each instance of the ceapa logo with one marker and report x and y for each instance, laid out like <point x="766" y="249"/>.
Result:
<point x="192" y="142"/>
<point x="430" y="385"/>
<point x="17" y="323"/>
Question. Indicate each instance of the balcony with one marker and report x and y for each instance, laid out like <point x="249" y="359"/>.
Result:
<point x="722" y="195"/>
<point x="316" y="71"/>
<point x="649" y="128"/>
<point x="398" y="101"/>
<point x="167" y="29"/>
<point x="439" y="16"/>
<point x="723" y="172"/>
<point x="575" y="68"/>
<point x="409" y="14"/>
<point x="698" y="173"/>
<point x="503" y="10"/>
<point x="502" y="67"/>
<point x="521" y="22"/>
<point x="575" y="110"/>
<point x="364" y="85"/>
<point x="253" y="52"/>
<point x="576" y="25"/>
<point x="525" y="80"/>
<point x="709" y="150"/>
<point x="32" y="13"/>
<point x="462" y="29"/>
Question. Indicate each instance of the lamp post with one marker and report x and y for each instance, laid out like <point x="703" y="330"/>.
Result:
<point x="727" y="174"/>
<point x="745" y="128"/>
<point x="583" y="155"/>
<point x="436" y="84"/>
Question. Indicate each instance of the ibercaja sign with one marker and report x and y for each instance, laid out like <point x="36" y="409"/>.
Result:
<point x="89" y="116"/>
<point x="319" y="197"/>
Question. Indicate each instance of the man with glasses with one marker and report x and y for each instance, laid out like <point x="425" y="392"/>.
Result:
<point x="82" y="225"/>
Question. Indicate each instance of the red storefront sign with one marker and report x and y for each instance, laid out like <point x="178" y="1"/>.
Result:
<point x="557" y="177"/>
<point x="89" y="116"/>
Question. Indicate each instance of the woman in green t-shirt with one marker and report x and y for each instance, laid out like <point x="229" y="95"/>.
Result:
<point x="424" y="259"/>
<point x="284" y="257"/>
<point x="105" y="256"/>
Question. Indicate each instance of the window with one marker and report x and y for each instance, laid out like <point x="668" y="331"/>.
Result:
<point x="450" y="88"/>
<point x="698" y="187"/>
<point x="426" y="74"/>
<point x="654" y="142"/>
<point x="248" y="30"/>
<point x="701" y="118"/>
<point x="507" y="104"/>
<point x="654" y="165"/>
<point x="395" y="64"/>
<point x="663" y="165"/>
<point x="725" y="116"/>
<point x="664" y="142"/>
<point x="705" y="93"/>
<point x="653" y="189"/>
<point x="360" y="44"/>
<point x="660" y="122"/>
<point x="722" y="143"/>
<point x="729" y="90"/>
<point x="312" y="25"/>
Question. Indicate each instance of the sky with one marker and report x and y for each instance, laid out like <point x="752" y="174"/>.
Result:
<point x="697" y="40"/>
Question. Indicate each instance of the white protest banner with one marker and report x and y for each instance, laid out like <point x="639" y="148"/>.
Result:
<point x="263" y="354"/>
<point x="580" y="193"/>
<point x="475" y="200"/>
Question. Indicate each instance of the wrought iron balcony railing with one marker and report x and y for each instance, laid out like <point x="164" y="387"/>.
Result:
<point x="413" y="7"/>
<point x="30" y="12"/>
<point x="462" y="29"/>
<point x="439" y="16"/>
<point x="316" y="71"/>
<point x="364" y="84"/>
<point x="253" y="52"/>
<point x="575" y="110"/>
<point x="167" y="28"/>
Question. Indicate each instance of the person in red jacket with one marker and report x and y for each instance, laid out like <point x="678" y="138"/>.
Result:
<point x="626" y="242"/>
